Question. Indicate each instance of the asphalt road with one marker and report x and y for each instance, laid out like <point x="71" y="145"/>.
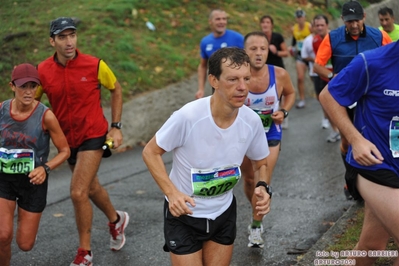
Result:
<point x="308" y="198"/>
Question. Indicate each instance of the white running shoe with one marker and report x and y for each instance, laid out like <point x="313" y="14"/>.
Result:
<point x="255" y="238"/>
<point x="117" y="231"/>
<point x="300" y="104"/>
<point x="334" y="137"/>
<point x="83" y="258"/>
<point x="325" y="123"/>
<point x="250" y="228"/>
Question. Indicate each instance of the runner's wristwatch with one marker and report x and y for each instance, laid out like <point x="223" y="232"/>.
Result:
<point x="118" y="125"/>
<point x="285" y="112"/>
<point x="47" y="169"/>
<point x="330" y="75"/>
<point x="268" y="188"/>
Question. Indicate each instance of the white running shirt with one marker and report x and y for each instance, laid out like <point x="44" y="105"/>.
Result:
<point x="198" y="143"/>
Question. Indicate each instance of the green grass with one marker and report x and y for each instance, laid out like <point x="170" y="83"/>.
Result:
<point x="115" y="31"/>
<point x="349" y="238"/>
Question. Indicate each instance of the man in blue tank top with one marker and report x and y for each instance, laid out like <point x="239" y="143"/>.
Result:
<point x="268" y="85"/>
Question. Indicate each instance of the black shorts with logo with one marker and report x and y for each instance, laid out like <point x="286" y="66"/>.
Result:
<point x="31" y="198"/>
<point x="186" y="234"/>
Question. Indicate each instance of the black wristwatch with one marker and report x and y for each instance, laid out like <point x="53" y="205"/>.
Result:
<point x="268" y="188"/>
<point x="285" y="112"/>
<point x="47" y="169"/>
<point x="117" y="125"/>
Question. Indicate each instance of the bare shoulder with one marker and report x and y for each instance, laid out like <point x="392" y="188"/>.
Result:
<point x="49" y="119"/>
<point x="280" y="72"/>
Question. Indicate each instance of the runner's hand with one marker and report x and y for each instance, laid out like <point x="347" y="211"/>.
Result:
<point x="366" y="153"/>
<point x="178" y="204"/>
<point x="199" y="94"/>
<point x="263" y="201"/>
<point x="278" y="117"/>
<point x="116" y="135"/>
<point x="38" y="175"/>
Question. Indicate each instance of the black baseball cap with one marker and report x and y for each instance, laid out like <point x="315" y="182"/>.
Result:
<point x="300" y="13"/>
<point x="352" y="11"/>
<point x="58" y="25"/>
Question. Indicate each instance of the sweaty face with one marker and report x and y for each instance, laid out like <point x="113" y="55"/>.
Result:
<point x="320" y="27"/>
<point x="266" y="25"/>
<point x="354" y="27"/>
<point x="386" y="22"/>
<point x="257" y="48"/>
<point x="232" y="85"/>
<point x="218" y="22"/>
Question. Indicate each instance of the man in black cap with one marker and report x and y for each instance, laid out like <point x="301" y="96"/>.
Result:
<point x="342" y="45"/>
<point x="72" y="82"/>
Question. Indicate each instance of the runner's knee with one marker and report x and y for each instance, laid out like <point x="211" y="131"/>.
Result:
<point x="25" y="245"/>
<point x="5" y="238"/>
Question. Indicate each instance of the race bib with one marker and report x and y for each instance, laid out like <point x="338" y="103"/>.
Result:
<point x="265" y="115"/>
<point x="214" y="182"/>
<point x="299" y="45"/>
<point x="394" y="136"/>
<point x="16" y="161"/>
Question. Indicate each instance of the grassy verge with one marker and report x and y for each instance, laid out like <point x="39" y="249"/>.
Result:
<point x="348" y="240"/>
<point x="116" y="31"/>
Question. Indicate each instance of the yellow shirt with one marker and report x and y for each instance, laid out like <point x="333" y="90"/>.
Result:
<point x="300" y="35"/>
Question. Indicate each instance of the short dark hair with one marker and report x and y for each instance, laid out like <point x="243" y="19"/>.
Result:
<point x="255" y="33"/>
<point x="237" y="57"/>
<point x="266" y="17"/>
<point x="321" y="16"/>
<point x="385" y="10"/>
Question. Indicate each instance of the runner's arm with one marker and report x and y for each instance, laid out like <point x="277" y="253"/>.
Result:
<point x="38" y="175"/>
<point x="284" y="50"/>
<point x="364" y="152"/>
<point x="116" y="114"/>
<point x="288" y="91"/>
<point x="107" y="79"/>
<point x="285" y="89"/>
<point x="323" y="55"/>
<point x="202" y="68"/>
<point x="152" y="156"/>
<point x="262" y="174"/>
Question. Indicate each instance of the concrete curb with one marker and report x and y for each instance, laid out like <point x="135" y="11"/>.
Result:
<point x="329" y="237"/>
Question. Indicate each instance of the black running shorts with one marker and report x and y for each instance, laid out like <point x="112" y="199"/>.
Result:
<point x="318" y="84"/>
<point x="185" y="234"/>
<point x="382" y="177"/>
<point x="273" y="142"/>
<point x="31" y="198"/>
<point x="87" y="145"/>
